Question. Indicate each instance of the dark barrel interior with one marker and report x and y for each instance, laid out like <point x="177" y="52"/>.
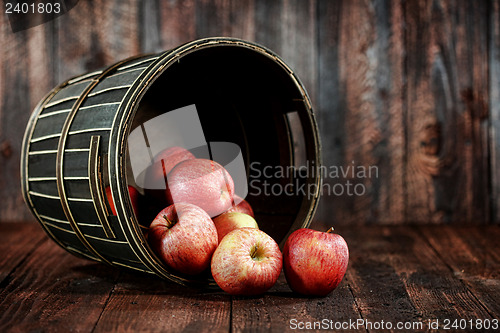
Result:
<point x="250" y="99"/>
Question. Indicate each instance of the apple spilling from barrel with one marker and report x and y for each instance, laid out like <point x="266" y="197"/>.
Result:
<point x="184" y="237"/>
<point x="231" y="220"/>
<point x="246" y="262"/>
<point x="241" y="205"/>
<point x="134" y="199"/>
<point x="202" y="182"/>
<point x="156" y="175"/>
<point x="203" y="225"/>
<point x="314" y="262"/>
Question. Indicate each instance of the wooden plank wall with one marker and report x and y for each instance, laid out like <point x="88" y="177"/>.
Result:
<point x="411" y="87"/>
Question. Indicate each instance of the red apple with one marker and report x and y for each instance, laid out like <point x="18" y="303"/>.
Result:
<point x="241" y="205"/>
<point x="314" y="262"/>
<point x="134" y="198"/>
<point x="184" y="237"/>
<point x="229" y="221"/>
<point x="156" y="175"/>
<point x="164" y="162"/>
<point x="246" y="262"/>
<point x="203" y="183"/>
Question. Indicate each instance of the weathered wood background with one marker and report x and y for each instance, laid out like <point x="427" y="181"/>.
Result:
<point x="412" y="87"/>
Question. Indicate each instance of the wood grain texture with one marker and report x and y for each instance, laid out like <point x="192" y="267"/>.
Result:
<point x="447" y="171"/>
<point x="15" y="246"/>
<point x="473" y="257"/>
<point x="281" y="310"/>
<point x="375" y="281"/>
<point x="396" y="274"/>
<point x="53" y="289"/>
<point x="95" y="35"/>
<point x="225" y="18"/>
<point x="431" y="285"/>
<point x="178" y="23"/>
<point x="77" y="48"/>
<point x="116" y="29"/>
<point x="494" y="105"/>
<point x="410" y="88"/>
<point x="360" y="103"/>
<point x="27" y="74"/>
<point x="163" y="306"/>
<point x="288" y="28"/>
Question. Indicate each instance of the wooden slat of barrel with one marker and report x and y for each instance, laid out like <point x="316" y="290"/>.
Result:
<point x="41" y="164"/>
<point x="44" y="144"/>
<point x="49" y="125"/>
<point x="72" y="91"/>
<point x="42" y="185"/>
<point x="80" y="140"/>
<point x="66" y="236"/>
<point x="76" y="163"/>
<point x="95" y="117"/>
<point x="77" y="187"/>
<point x="59" y="225"/>
<point x="48" y="207"/>
<point x="140" y="62"/>
<point x="61" y="230"/>
<point x="60" y="107"/>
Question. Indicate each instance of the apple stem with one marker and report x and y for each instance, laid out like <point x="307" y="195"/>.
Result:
<point x="330" y="230"/>
<point x="170" y="224"/>
<point x="253" y="253"/>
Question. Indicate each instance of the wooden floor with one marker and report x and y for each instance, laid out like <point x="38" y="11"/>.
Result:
<point x="421" y="276"/>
